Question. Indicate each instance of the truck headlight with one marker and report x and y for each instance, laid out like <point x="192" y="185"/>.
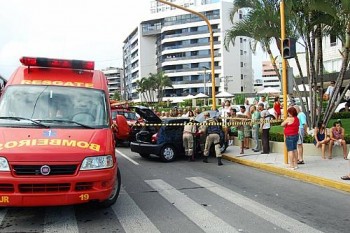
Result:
<point x="4" y="165"/>
<point x="97" y="162"/>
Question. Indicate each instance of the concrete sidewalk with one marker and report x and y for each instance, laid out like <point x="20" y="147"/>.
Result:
<point x="315" y="170"/>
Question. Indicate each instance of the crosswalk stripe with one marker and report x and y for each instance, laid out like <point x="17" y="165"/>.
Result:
<point x="127" y="157"/>
<point x="131" y="216"/>
<point x="60" y="219"/>
<point x="203" y="218"/>
<point x="281" y="220"/>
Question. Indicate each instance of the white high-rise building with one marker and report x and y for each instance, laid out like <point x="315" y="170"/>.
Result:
<point x="177" y="42"/>
<point x="114" y="78"/>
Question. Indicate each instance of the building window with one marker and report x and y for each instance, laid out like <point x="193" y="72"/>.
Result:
<point x="241" y="52"/>
<point x="241" y="64"/>
<point x="241" y="40"/>
<point x="333" y="40"/>
<point x="242" y="89"/>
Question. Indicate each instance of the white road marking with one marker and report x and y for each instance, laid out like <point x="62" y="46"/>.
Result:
<point x="60" y="219"/>
<point x="279" y="219"/>
<point x="131" y="216"/>
<point x="203" y="218"/>
<point x="125" y="156"/>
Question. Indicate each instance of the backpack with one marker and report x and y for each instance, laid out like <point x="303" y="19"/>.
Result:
<point x="213" y="128"/>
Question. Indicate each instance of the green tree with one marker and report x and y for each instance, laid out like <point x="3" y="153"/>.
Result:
<point x="116" y="95"/>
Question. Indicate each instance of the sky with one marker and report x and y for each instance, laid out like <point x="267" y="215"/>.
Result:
<point x="70" y="29"/>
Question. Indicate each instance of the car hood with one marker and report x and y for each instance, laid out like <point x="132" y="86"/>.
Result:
<point x="147" y="114"/>
<point x="31" y="145"/>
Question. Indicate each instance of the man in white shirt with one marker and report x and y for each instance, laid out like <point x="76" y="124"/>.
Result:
<point x="264" y="102"/>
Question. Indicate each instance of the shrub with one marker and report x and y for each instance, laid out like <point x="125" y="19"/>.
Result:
<point x="341" y="115"/>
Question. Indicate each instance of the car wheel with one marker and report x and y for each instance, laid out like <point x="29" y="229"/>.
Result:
<point x="144" y="155"/>
<point x="168" y="153"/>
<point x="342" y="110"/>
<point x="115" y="193"/>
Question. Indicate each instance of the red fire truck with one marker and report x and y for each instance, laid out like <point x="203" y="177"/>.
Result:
<point x="56" y="142"/>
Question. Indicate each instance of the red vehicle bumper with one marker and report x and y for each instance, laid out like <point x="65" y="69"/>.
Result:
<point x="86" y="186"/>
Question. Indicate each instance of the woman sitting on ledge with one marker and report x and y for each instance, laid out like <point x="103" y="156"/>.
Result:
<point x="337" y="138"/>
<point x="321" y="138"/>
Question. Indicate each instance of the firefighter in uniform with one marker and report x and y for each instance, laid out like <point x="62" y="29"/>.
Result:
<point x="187" y="138"/>
<point x="211" y="128"/>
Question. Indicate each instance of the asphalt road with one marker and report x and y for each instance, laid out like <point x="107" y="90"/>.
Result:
<point x="195" y="197"/>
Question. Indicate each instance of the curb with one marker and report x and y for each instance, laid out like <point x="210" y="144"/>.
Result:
<point x="295" y="174"/>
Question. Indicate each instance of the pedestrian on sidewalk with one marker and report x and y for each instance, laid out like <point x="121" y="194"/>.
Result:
<point x="240" y="128"/>
<point x="302" y="134"/>
<point x="347" y="177"/>
<point x="256" y="126"/>
<point x="321" y="138"/>
<point x="291" y="131"/>
<point x="233" y="127"/>
<point x="277" y="107"/>
<point x="247" y="129"/>
<point x="265" y="126"/>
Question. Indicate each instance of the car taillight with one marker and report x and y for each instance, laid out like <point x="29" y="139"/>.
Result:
<point x="57" y="63"/>
<point x="154" y="138"/>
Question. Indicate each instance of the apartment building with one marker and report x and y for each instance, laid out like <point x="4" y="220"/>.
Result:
<point x="269" y="76"/>
<point x="114" y="77"/>
<point x="177" y="42"/>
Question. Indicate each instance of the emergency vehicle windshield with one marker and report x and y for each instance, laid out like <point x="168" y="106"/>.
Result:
<point x="53" y="106"/>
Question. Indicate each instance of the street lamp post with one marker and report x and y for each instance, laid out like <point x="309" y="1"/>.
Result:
<point x="204" y="81"/>
<point x="211" y="37"/>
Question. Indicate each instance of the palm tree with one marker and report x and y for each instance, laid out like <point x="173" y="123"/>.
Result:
<point x="161" y="81"/>
<point x="338" y="24"/>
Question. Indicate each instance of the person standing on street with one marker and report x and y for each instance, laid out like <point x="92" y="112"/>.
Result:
<point x="265" y="126"/>
<point x="212" y="129"/>
<point x="187" y="138"/>
<point x="302" y="133"/>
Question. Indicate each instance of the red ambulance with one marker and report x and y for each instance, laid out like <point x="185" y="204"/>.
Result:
<point x="56" y="140"/>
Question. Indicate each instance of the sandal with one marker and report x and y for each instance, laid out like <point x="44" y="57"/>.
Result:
<point x="345" y="178"/>
<point x="301" y="162"/>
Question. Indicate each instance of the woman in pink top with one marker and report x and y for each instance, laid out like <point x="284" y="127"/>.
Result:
<point x="291" y="131"/>
<point x="337" y="139"/>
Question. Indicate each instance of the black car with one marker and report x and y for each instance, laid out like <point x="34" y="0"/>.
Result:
<point x="163" y="137"/>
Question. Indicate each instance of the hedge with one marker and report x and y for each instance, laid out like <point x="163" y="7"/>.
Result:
<point x="279" y="137"/>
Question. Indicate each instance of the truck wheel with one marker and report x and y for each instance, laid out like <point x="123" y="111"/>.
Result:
<point x="115" y="193"/>
<point x="168" y="153"/>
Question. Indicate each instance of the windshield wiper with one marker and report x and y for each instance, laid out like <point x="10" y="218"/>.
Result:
<point x="26" y="119"/>
<point x="67" y="121"/>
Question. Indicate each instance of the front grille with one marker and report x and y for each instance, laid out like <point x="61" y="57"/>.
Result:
<point x="28" y="170"/>
<point x="43" y="188"/>
<point x="7" y="188"/>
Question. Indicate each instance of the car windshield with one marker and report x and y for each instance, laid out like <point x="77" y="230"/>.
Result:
<point x="53" y="106"/>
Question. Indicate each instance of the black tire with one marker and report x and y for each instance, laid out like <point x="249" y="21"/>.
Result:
<point x="342" y="110"/>
<point x="168" y="153"/>
<point x="115" y="193"/>
<point x="144" y="155"/>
